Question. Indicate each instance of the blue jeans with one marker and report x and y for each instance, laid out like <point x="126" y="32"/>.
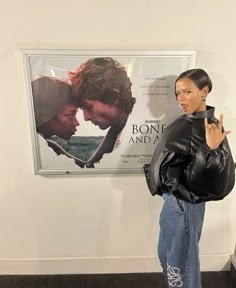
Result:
<point x="180" y="231"/>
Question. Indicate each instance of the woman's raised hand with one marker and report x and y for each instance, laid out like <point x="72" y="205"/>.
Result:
<point x="214" y="134"/>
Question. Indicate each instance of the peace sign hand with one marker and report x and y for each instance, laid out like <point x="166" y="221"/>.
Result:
<point x="214" y="134"/>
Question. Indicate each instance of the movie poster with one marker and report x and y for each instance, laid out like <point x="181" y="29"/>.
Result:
<point x="99" y="111"/>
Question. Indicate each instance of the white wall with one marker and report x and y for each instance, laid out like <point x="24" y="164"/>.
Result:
<point x="103" y="223"/>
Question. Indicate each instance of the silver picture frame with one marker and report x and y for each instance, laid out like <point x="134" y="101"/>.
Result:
<point x="142" y="79"/>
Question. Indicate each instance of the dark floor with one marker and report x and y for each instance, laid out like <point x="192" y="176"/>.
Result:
<point x="133" y="280"/>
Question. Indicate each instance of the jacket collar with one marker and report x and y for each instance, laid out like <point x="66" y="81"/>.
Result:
<point x="208" y="113"/>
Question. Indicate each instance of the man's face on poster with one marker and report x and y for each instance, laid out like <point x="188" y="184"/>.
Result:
<point x="102" y="115"/>
<point x="64" y="123"/>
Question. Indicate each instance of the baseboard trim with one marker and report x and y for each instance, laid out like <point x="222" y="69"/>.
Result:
<point x="119" y="280"/>
<point x="233" y="260"/>
<point x="104" y="265"/>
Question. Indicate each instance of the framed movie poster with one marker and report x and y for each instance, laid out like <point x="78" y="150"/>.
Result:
<point x="99" y="111"/>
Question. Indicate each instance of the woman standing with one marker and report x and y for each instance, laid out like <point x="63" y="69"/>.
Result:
<point x="192" y="164"/>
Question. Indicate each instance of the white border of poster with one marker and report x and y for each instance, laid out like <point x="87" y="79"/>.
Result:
<point x="152" y="75"/>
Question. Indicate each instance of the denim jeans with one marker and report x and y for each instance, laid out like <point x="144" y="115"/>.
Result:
<point x="180" y="231"/>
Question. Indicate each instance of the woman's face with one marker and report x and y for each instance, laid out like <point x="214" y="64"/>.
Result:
<point x="189" y="96"/>
<point x="103" y="115"/>
<point x="64" y="123"/>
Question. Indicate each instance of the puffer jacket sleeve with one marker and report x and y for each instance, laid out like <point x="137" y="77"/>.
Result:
<point x="210" y="174"/>
<point x="173" y="178"/>
<point x="163" y="174"/>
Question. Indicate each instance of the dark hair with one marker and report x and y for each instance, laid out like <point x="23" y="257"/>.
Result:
<point x="105" y="80"/>
<point x="50" y="96"/>
<point x="198" y="76"/>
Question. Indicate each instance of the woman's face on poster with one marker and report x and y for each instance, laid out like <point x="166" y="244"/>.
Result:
<point x="65" y="122"/>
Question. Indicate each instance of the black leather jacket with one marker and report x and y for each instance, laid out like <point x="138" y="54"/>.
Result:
<point x="183" y="165"/>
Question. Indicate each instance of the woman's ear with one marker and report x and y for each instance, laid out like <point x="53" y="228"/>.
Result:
<point x="205" y="90"/>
